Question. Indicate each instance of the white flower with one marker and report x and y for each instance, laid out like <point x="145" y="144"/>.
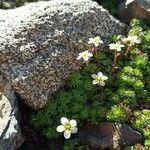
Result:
<point x="132" y="40"/>
<point x="67" y="127"/>
<point x="99" y="79"/>
<point x="86" y="55"/>
<point x="116" y="46"/>
<point x="96" y="41"/>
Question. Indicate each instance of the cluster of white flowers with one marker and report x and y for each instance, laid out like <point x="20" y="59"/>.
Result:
<point x="96" y="41"/>
<point x="70" y="126"/>
<point x="131" y="40"/>
<point x="86" y="55"/>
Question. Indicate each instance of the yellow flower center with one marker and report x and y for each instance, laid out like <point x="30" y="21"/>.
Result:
<point x="85" y="55"/>
<point x="67" y="127"/>
<point x="98" y="78"/>
<point x="95" y="41"/>
<point x="117" y="46"/>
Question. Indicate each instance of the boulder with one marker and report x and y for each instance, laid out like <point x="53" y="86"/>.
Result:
<point x="109" y="136"/>
<point x="39" y="44"/>
<point x="129" y="9"/>
<point x="10" y="133"/>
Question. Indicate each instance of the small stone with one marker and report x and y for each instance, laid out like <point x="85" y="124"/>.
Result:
<point x="109" y="136"/>
<point x="129" y="9"/>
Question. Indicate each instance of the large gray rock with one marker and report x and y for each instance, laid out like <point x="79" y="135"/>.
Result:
<point x="129" y="9"/>
<point x="39" y="43"/>
<point x="10" y="133"/>
<point x="110" y="136"/>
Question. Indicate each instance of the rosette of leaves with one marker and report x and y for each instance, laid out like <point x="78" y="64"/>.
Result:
<point x="142" y="123"/>
<point x="117" y="114"/>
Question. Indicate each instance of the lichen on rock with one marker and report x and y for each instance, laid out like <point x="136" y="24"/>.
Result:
<point x="10" y="133"/>
<point x="39" y="43"/>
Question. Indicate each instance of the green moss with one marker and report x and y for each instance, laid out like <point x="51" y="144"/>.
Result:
<point x="141" y="122"/>
<point x="147" y="143"/>
<point x="136" y="147"/>
<point x="117" y="114"/>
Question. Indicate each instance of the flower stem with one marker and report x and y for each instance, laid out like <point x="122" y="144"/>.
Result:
<point x="127" y="51"/>
<point x="115" y="61"/>
<point x="96" y="55"/>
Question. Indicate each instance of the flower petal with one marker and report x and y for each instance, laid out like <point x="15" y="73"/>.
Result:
<point x="60" y="128"/>
<point x="138" y="41"/>
<point x="90" y="41"/>
<point x="79" y="57"/>
<point x="73" y="123"/>
<point x="90" y="54"/>
<point x="100" y="74"/>
<point x="105" y="77"/>
<point x="95" y="82"/>
<point x="74" y="130"/>
<point x="64" y="120"/>
<point x="67" y="134"/>
<point x="102" y="83"/>
<point x="97" y="38"/>
<point x="96" y="45"/>
<point x="94" y="76"/>
<point x="86" y="52"/>
<point x="110" y="46"/>
<point x="101" y="42"/>
<point x="86" y="58"/>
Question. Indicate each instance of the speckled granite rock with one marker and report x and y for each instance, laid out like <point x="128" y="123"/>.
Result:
<point x="39" y="43"/>
<point x="110" y="136"/>
<point x="10" y="133"/>
<point x="129" y="9"/>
